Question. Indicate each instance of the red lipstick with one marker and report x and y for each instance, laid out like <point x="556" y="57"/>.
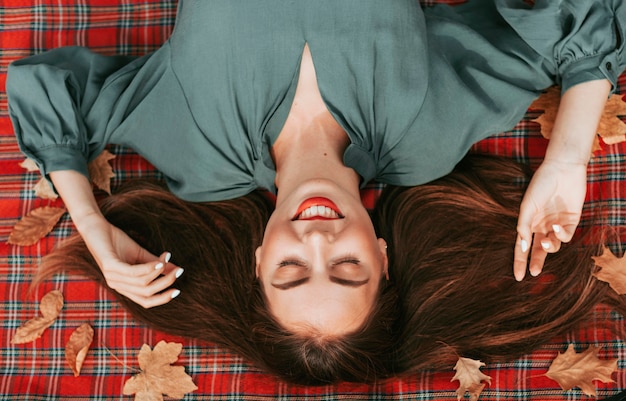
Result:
<point x="317" y="201"/>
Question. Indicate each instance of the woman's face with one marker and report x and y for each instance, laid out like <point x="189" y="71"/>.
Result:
<point x="320" y="263"/>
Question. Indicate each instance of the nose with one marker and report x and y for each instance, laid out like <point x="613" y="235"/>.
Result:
<point x="318" y="233"/>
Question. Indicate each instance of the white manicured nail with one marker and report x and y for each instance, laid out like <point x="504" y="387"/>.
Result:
<point x="179" y="272"/>
<point x="175" y="294"/>
<point x="556" y="228"/>
<point x="158" y="266"/>
<point x="545" y="245"/>
<point x="524" y="244"/>
<point x="168" y="256"/>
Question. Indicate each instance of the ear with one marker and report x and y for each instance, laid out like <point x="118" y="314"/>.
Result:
<point x="257" y="256"/>
<point x="382" y="245"/>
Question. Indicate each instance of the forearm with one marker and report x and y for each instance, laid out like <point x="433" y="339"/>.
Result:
<point x="577" y="122"/>
<point x="77" y="194"/>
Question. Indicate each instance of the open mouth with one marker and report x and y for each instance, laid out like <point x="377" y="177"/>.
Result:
<point x="318" y="209"/>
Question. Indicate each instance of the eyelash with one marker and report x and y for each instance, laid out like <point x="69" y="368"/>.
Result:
<point x="348" y="259"/>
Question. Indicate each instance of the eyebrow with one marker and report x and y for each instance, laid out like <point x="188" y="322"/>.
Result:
<point x="340" y="281"/>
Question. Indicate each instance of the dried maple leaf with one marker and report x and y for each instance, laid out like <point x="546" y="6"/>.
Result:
<point x="101" y="171"/>
<point x="44" y="190"/>
<point x="570" y="369"/>
<point x="548" y="102"/>
<point x="157" y="376"/>
<point x="612" y="270"/>
<point x="470" y="378"/>
<point x="611" y="127"/>
<point x="50" y="307"/>
<point x="29" y="165"/>
<point x="35" y="225"/>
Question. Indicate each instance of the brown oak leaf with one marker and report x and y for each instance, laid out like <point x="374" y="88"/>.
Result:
<point x="50" y="307"/>
<point x="101" y="171"/>
<point x="157" y="376"/>
<point x="570" y="369"/>
<point x="470" y="378"/>
<point x="35" y="225"/>
<point x="611" y="128"/>
<point x="612" y="270"/>
<point x="77" y="347"/>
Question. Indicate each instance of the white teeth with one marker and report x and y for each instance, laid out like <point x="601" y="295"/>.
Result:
<point x="319" y="211"/>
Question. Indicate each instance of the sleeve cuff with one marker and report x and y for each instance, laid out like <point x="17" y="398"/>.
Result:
<point x="590" y="69"/>
<point x="58" y="158"/>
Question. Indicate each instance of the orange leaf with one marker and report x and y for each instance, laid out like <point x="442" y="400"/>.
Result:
<point x="35" y="225"/>
<point x="31" y="330"/>
<point x="51" y="304"/>
<point x="580" y="370"/>
<point x="548" y="102"/>
<point x="101" y="171"/>
<point x="50" y="307"/>
<point x="77" y="347"/>
<point x="470" y="378"/>
<point x="612" y="270"/>
<point x="157" y="376"/>
<point x="29" y="165"/>
<point x="611" y="127"/>
<point x="43" y="190"/>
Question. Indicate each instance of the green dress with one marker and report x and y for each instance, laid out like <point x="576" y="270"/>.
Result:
<point x="413" y="88"/>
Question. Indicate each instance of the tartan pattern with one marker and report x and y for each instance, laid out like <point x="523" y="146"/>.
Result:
<point x="37" y="371"/>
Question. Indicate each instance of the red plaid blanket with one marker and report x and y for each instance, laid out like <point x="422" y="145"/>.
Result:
<point x="37" y="370"/>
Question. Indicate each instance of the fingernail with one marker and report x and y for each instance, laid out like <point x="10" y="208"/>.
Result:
<point x="545" y="245"/>
<point x="158" y="266"/>
<point x="534" y="273"/>
<point x="524" y="244"/>
<point x="179" y="272"/>
<point x="168" y="256"/>
<point x="175" y="294"/>
<point x="556" y="228"/>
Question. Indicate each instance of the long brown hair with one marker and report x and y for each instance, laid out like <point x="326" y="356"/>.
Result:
<point x="451" y="257"/>
<point x="452" y="291"/>
<point x="221" y="300"/>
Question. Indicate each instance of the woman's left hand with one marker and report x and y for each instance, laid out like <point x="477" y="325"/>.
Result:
<point x="549" y="213"/>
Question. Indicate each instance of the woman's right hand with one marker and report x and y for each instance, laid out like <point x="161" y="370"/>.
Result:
<point x="128" y="268"/>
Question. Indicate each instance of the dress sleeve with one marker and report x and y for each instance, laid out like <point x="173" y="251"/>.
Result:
<point x="580" y="40"/>
<point x="50" y="99"/>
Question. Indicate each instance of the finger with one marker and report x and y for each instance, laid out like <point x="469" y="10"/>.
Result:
<point x="170" y="267"/>
<point x="520" y="258"/>
<point x="565" y="232"/>
<point x="550" y="243"/>
<point x="156" y="300"/>
<point x="538" y="255"/>
<point x="146" y="287"/>
<point x="524" y="240"/>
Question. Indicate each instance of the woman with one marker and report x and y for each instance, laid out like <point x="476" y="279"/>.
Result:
<point x="308" y="100"/>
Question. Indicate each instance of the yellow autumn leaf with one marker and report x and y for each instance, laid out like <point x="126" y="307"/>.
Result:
<point x="470" y="378"/>
<point x="157" y="376"/>
<point x="35" y="225"/>
<point x="101" y="171"/>
<point x="612" y="270"/>
<point x="50" y="307"/>
<point x="77" y="347"/>
<point x="570" y="369"/>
